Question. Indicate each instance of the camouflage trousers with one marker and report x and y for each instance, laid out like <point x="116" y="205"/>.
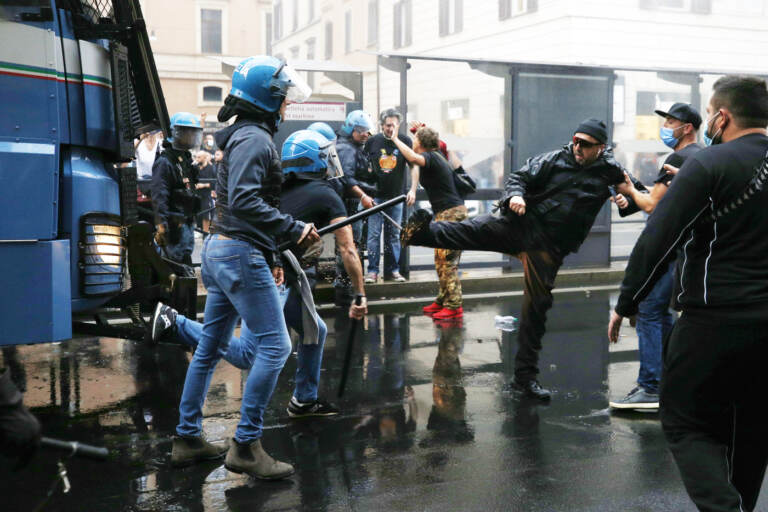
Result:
<point x="447" y="263"/>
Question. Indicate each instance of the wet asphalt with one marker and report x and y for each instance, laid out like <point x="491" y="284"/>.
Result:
<point x="427" y="423"/>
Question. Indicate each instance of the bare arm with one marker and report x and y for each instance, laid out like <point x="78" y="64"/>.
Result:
<point x="346" y="245"/>
<point x="411" y="196"/>
<point x="409" y="154"/>
<point x="648" y="202"/>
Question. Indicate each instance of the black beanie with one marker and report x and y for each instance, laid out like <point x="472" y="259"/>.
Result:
<point x="594" y="127"/>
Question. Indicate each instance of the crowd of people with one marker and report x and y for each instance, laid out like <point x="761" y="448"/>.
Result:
<point x="701" y="252"/>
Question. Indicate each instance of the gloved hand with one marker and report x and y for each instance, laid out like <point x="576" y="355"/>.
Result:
<point x="161" y="234"/>
<point x="19" y="429"/>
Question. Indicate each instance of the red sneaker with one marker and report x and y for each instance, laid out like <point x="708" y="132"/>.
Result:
<point x="432" y="308"/>
<point x="449" y="313"/>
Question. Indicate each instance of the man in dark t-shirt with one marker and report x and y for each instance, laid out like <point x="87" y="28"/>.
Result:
<point x="389" y="166"/>
<point x="654" y="318"/>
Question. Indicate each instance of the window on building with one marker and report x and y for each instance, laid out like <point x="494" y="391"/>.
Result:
<point x="212" y="93"/>
<point x="277" y="18"/>
<point x="311" y="10"/>
<point x="311" y="44"/>
<point x="403" y="34"/>
<point x="294" y="52"/>
<point x="373" y="22"/>
<point x="210" y="30"/>
<point x="451" y="16"/>
<point x="295" y="14"/>
<point x="328" y="40"/>
<point x="347" y="31"/>
<point x="509" y="8"/>
<point x="268" y="32"/>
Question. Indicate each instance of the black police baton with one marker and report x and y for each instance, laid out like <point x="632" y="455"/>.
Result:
<point x="350" y="220"/>
<point x="350" y="345"/>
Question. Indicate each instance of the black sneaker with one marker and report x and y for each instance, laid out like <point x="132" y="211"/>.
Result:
<point x="297" y="409"/>
<point x="163" y="321"/>
<point x="531" y="389"/>
<point x="414" y="226"/>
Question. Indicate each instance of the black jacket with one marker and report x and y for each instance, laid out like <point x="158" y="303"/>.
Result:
<point x="721" y="268"/>
<point x="354" y="160"/>
<point x="248" y="188"/>
<point x="170" y="194"/>
<point x="566" y="216"/>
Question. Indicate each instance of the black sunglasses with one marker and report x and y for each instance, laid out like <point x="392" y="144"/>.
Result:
<point x="584" y="144"/>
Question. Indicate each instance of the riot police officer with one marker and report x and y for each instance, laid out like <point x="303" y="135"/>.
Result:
<point x="240" y="269"/>
<point x="174" y="200"/>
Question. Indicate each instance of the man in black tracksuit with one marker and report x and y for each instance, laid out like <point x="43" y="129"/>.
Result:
<point x="548" y="209"/>
<point x="712" y="386"/>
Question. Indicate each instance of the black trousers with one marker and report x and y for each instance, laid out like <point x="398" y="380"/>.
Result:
<point x="712" y="407"/>
<point x="520" y="237"/>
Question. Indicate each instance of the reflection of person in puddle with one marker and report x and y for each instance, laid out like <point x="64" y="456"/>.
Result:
<point x="390" y="423"/>
<point x="447" y="419"/>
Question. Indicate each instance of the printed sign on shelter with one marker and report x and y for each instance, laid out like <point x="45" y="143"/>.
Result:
<point x="315" y="111"/>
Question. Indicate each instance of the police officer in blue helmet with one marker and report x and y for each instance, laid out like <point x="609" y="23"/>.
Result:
<point x="174" y="200"/>
<point x="307" y="195"/>
<point x="344" y="184"/>
<point x="241" y="269"/>
<point x="352" y="137"/>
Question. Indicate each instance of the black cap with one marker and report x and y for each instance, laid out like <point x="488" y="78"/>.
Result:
<point x="683" y="112"/>
<point x="594" y="127"/>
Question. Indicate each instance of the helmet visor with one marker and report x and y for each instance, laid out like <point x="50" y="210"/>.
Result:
<point x="299" y="90"/>
<point x="334" y="164"/>
<point x="186" y="137"/>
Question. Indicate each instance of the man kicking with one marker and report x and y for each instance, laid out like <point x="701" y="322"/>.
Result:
<point x="548" y="208"/>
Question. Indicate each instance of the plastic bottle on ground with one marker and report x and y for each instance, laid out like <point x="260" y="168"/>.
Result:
<point x="505" y="323"/>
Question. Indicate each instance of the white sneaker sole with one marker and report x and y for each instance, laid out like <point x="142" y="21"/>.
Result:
<point x="620" y="405"/>
<point x="154" y="320"/>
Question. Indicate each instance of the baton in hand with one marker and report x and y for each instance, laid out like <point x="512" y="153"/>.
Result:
<point x="350" y="220"/>
<point x="350" y="345"/>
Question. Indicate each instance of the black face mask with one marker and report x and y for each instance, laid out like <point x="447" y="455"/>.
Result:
<point x="234" y="106"/>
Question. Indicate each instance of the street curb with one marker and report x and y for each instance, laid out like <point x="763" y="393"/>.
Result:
<point x="485" y="284"/>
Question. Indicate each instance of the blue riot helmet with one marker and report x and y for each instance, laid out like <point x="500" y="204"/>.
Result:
<point x="334" y="164"/>
<point x="305" y="155"/>
<point x="357" y="120"/>
<point x="186" y="131"/>
<point x="266" y="81"/>
<point x="323" y="129"/>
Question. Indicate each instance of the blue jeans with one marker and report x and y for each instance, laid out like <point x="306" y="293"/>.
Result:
<point x="181" y="251"/>
<point x="391" y="240"/>
<point x="654" y="322"/>
<point x="239" y="284"/>
<point x="310" y="357"/>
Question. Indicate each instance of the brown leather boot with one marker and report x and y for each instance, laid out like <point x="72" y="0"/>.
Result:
<point x="254" y="461"/>
<point x="189" y="450"/>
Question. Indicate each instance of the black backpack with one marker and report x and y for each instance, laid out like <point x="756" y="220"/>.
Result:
<point x="465" y="185"/>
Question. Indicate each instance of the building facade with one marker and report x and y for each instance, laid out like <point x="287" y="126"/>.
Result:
<point x="189" y="37"/>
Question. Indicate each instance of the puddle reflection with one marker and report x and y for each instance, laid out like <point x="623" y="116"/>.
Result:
<point x="426" y="418"/>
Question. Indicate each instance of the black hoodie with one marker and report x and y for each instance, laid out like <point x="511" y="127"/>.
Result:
<point x="248" y="188"/>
